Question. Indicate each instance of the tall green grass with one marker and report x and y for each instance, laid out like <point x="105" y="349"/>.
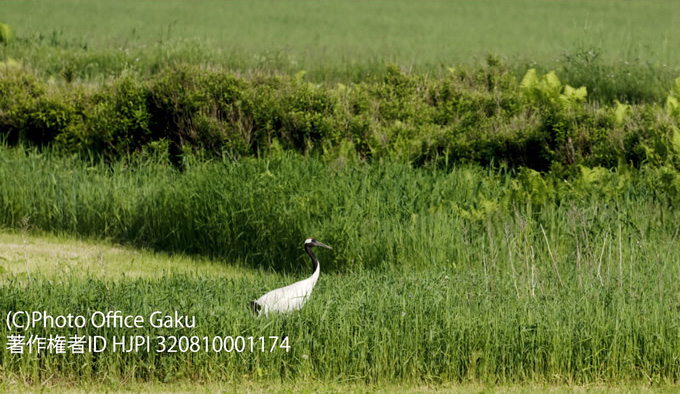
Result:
<point x="435" y="276"/>
<point x="443" y="325"/>
<point x="467" y="274"/>
<point x="383" y="214"/>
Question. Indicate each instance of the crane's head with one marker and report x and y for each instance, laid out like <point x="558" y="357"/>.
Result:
<point x="314" y="242"/>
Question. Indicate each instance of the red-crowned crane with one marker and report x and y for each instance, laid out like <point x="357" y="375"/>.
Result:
<point x="291" y="297"/>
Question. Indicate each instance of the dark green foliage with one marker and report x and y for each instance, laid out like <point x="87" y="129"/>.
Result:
<point x="27" y="112"/>
<point x="482" y="115"/>
<point x="119" y="119"/>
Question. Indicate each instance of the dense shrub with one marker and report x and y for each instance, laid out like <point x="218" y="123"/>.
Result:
<point x="29" y="111"/>
<point x="483" y="115"/>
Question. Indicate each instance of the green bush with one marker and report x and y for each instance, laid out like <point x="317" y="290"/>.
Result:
<point x="481" y="115"/>
<point x="119" y="118"/>
<point x="29" y="111"/>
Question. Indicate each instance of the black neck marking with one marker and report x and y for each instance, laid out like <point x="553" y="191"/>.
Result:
<point x="315" y="261"/>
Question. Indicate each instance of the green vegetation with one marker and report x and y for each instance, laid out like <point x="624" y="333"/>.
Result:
<point x="406" y="215"/>
<point x="6" y="34"/>
<point x="53" y="257"/>
<point x="502" y="198"/>
<point x="618" y="50"/>
<point x="481" y="115"/>
<point x="347" y="32"/>
<point x="471" y="275"/>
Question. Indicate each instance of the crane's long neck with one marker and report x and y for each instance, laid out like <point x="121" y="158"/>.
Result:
<point x="315" y="261"/>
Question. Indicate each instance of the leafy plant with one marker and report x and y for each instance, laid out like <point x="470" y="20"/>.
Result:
<point x="673" y="100"/>
<point x="6" y="34"/>
<point x="620" y="112"/>
<point x="548" y="89"/>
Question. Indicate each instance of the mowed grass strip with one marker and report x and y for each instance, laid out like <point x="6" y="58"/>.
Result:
<point x="46" y="255"/>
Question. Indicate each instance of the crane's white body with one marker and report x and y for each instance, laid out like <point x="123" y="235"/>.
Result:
<point x="289" y="298"/>
<point x="294" y="296"/>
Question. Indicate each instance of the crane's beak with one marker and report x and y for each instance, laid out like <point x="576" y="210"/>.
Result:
<point x="323" y="245"/>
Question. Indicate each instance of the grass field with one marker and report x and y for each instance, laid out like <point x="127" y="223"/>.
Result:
<point x="55" y="257"/>
<point x="43" y="252"/>
<point x="441" y="281"/>
<point x="421" y="33"/>
<point x="340" y="40"/>
<point x="472" y="275"/>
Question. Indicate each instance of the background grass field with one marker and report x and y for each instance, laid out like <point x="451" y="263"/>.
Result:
<point x="407" y="33"/>
<point x="341" y="40"/>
